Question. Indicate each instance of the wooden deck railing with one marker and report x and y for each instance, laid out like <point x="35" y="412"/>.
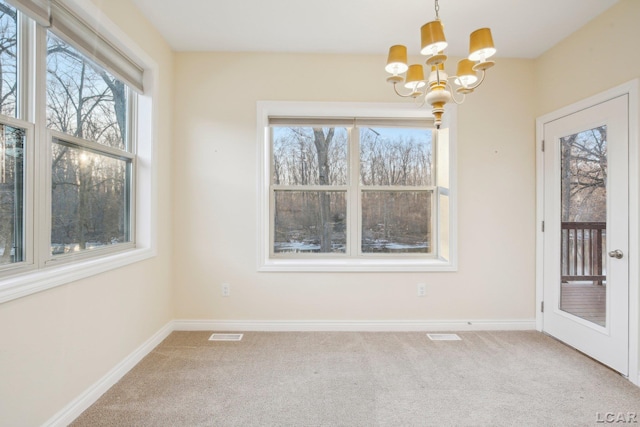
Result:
<point x="581" y="252"/>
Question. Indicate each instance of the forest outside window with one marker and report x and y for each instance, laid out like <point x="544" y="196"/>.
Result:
<point x="357" y="194"/>
<point x="91" y="164"/>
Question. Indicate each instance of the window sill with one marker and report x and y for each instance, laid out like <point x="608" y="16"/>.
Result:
<point x="24" y="284"/>
<point x="357" y="265"/>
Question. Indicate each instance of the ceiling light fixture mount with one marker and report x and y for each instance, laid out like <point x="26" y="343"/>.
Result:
<point x="437" y="90"/>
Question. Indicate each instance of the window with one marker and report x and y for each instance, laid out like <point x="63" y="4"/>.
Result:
<point x="309" y="189"/>
<point x="396" y="190"/>
<point x="89" y="198"/>
<point x="9" y="60"/>
<point x="91" y="165"/>
<point x="12" y="143"/>
<point x="74" y="123"/>
<point x="353" y="193"/>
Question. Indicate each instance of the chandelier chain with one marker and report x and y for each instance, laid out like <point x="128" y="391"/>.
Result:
<point x="437" y="7"/>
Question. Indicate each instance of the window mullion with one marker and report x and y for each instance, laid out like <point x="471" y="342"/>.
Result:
<point x="132" y="147"/>
<point x="397" y="188"/>
<point x="26" y="111"/>
<point x="90" y="145"/>
<point x="354" y="209"/>
<point x="270" y="199"/>
<point x="309" y="188"/>
<point x="42" y="149"/>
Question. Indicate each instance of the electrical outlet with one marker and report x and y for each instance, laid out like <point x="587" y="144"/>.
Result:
<point x="226" y="290"/>
<point x="422" y="289"/>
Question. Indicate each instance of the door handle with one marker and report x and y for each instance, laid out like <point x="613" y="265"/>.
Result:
<point x="616" y="254"/>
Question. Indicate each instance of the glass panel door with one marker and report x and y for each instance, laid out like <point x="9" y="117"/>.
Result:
<point x="586" y="230"/>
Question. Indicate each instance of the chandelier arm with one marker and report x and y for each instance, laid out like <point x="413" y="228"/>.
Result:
<point x="479" y="81"/>
<point x="453" y="94"/>
<point x="414" y="94"/>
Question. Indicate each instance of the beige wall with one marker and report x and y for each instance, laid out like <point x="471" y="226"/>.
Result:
<point x="55" y="344"/>
<point x="216" y="200"/>
<point x="599" y="56"/>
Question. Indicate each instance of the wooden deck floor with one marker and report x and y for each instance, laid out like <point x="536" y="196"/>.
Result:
<point x="585" y="300"/>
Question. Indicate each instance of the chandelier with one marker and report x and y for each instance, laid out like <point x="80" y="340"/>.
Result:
<point x="437" y="90"/>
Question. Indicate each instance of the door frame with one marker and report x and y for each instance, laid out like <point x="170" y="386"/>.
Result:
<point x="630" y="88"/>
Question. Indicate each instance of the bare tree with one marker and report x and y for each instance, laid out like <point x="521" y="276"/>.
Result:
<point x="8" y="59"/>
<point x="322" y="142"/>
<point x="85" y="101"/>
<point x="584" y="175"/>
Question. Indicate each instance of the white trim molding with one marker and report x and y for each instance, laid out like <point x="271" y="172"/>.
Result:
<point x="40" y="280"/>
<point x="354" y="325"/>
<point x="77" y="406"/>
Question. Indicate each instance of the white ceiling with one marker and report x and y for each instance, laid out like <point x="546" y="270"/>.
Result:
<point x="521" y="28"/>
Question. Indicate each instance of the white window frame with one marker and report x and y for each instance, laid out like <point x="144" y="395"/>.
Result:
<point x="41" y="270"/>
<point x="82" y="144"/>
<point x="268" y="262"/>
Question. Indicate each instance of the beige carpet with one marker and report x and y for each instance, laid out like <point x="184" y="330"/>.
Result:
<point x="364" y="379"/>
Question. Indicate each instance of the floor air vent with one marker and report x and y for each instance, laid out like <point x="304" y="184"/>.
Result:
<point x="444" y="337"/>
<point x="225" y="337"/>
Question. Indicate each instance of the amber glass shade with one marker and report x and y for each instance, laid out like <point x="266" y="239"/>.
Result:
<point x="465" y="75"/>
<point x="481" y="45"/>
<point x="432" y="36"/>
<point x="397" y="60"/>
<point x="415" y="77"/>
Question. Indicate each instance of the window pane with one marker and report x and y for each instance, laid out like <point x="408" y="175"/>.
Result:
<point x="309" y="156"/>
<point x="396" y="221"/>
<point x="443" y="221"/>
<point x="90" y="194"/>
<point x="395" y="156"/>
<point x="11" y="194"/>
<point x="83" y="99"/>
<point x="310" y="221"/>
<point x="583" y="228"/>
<point x="8" y="60"/>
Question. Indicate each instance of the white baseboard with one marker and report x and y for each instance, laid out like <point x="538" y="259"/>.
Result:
<point x="70" y="412"/>
<point x="354" y="326"/>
